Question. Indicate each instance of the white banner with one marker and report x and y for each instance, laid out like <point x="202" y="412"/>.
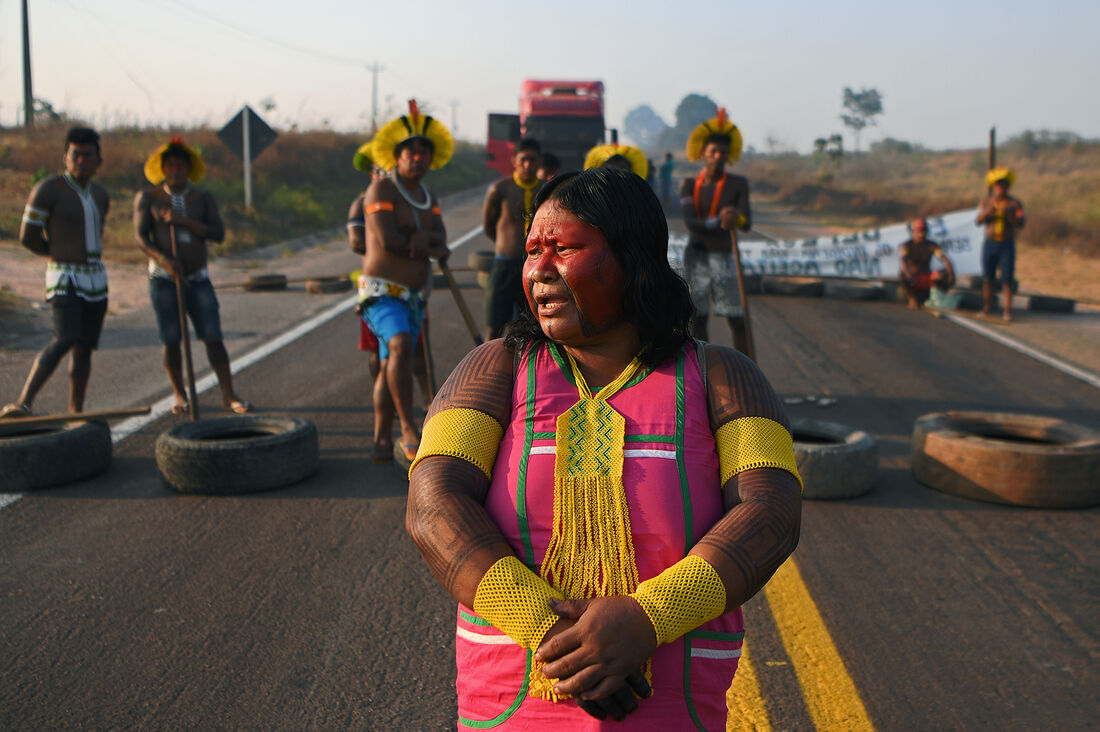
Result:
<point x="869" y="254"/>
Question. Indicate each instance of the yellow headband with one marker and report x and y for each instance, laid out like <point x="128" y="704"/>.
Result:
<point x="719" y="125"/>
<point x="154" y="167"/>
<point x="413" y="124"/>
<point x="364" y="157"/>
<point x="998" y="174"/>
<point x="600" y="154"/>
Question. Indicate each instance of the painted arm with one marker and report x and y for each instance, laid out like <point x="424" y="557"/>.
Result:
<point x="144" y="228"/>
<point x="490" y="213"/>
<point x="381" y="229"/>
<point x="32" y="231"/>
<point x="694" y="224"/>
<point x="357" y="239"/>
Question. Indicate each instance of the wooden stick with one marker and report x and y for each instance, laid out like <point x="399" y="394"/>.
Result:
<point x="429" y="365"/>
<point x="750" y="349"/>
<point x="6" y="425"/>
<point x="300" y="280"/>
<point x="461" y="302"/>
<point x="192" y="397"/>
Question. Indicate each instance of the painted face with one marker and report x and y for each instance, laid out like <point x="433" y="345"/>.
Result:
<point x="415" y="160"/>
<point x="82" y="160"/>
<point x="526" y="163"/>
<point x="714" y="156"/>
<point x="573" y="281"/>
<point x="920" y="230"/>
<point x="176" y="171"/>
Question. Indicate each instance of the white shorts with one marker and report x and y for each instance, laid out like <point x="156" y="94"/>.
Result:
<point x="712" y="280"/>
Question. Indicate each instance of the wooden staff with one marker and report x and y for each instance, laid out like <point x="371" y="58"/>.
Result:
<point x="750" y="349"/>
<point x="461" y="301"/>
<point x="15" y="424"/>
<point x="429" y="366"/>
<point x="193" y="402"/>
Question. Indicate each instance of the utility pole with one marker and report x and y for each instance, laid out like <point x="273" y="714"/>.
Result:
<point x="28" y="93"/>
<point x="454" y="116"/>
<point x="374" y="69"/>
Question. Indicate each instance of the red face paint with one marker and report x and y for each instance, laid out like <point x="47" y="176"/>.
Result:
<point x="573" y="281"/>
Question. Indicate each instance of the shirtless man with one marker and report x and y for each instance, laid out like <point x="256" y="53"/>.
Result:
<point x="715" y="205"/>
<point x="193" y="213"/>
<point x="549" y="167"/>
<point x="63" y="221"/>
<point x="404" y="230"/>
<point x="505" y="216"/>
<point x="1002" y="215"/>
<point x="916" y="277"/>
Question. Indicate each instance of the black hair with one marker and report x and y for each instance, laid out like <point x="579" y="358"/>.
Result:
<point x="626" y="211"/>
<point x="550" y="161"/>
<point x="618" y="161"/>
<point x="720" y="138"/>
<point x="408" y="141"/>
<point x="82" y="136"/>
<point x="528" y="143"/>
<point x="175" y="151"/>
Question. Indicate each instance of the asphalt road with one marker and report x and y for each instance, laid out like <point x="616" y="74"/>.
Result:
<point x="126" y="605"/>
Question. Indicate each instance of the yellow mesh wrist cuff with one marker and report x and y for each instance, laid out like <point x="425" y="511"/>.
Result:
<point x="517" y="602"/>
<point x="683" y="597"/>
<point x="754" y="442"/>
<point x="466" y="434"/>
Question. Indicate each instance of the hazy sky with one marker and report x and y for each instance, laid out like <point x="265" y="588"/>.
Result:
<point x="947" y="70"/>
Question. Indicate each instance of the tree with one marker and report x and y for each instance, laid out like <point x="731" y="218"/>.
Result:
<point x="644" y="126"/>
<point x="692" y="110"/>
<point x="863" y="106"/>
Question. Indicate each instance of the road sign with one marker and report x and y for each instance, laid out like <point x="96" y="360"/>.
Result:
<point x="247" y="136"/>
<point x="259" y="134"/>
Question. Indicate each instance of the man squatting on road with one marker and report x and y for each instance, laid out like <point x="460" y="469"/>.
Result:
<point x="715" y="204"/>
<point x="173" y="203"/>
<point x="64" y="221"/>
<point x="505" y="216"/>
<point x="599" y="492"/>
<point x="1002" y="215"/>
<point x="404" y="230"/>
<point x="916" y="276"/>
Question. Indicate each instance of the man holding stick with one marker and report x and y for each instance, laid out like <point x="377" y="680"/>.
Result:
<point x="404" y="230"/>
<point x="172" y="223"/>
<point x="63" y="221"/>
<point x="715" y="205"/>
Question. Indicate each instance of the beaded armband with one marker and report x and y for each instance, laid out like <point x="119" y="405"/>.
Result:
<point x="754" y="442"/>
<point x="683" y="597"/>
<point x="516" y="601"/>
<point x="466" y="434"/>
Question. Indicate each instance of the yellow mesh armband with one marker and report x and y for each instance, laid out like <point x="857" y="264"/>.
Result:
<point x="683" y="597"/>
<point x="516" y="601"/>
<point x="466" y="434"/>
<point x="754" y="442"/>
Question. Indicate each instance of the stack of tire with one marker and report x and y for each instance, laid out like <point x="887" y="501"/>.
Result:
<point x="482" y="263"/>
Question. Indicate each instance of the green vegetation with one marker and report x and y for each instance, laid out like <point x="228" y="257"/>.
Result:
<point x="1058" y="179"/>
<point x="303" y="183"/>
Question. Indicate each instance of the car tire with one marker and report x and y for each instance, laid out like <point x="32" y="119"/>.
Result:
<point x="793" y="286"/>
<point x="835" y="461"/>
<point x="848" y="290"/>
<point x="327" y="285"/>
<point x="261" y="283"/>
<point x="48" y="456"/>
<point x="1049" y="304"/>
<point x="481" y="261"/>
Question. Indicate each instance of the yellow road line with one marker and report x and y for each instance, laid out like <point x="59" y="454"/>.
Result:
<point x="831" y="696"/>
<point x="744" y="700"/>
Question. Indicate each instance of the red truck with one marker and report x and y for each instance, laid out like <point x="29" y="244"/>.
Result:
<point x="566" y="117"/>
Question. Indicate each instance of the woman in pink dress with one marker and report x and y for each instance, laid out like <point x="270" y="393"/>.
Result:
<point x="598" y="491"/>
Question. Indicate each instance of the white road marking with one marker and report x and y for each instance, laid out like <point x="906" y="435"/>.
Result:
<point x="128" y="427"/>
<point x="1020" y="347"/>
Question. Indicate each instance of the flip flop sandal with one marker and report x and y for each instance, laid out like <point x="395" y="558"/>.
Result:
<point x="181" y="408"/>
<point x="239" y="406"/>
<point x="14" y="411"/>
<point x="404" y="453"/>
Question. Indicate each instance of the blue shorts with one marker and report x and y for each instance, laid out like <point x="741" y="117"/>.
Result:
<point x="999" y="255"/>
<point x="388" y="317"/>
<point x="199" y="300"/>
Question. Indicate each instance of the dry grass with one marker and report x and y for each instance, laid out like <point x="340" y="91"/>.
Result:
<point x="302" y="183"/>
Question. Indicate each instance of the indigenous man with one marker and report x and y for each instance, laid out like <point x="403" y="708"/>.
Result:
<point x="549" y="166"/>
<point x="505" y="216"/>
<point x="667" y="168"/>
<point x="1002" y="215"/>
<point x="715" y="205"/>
<point x="916" y="277"/>
<point x="598" y="492"/>
<point x="63" y="221"/>
<point x="173" y="210"/>
<point x="357" y="240"/>
<point x="623" y="157"/>
<point x="404" y="230"/>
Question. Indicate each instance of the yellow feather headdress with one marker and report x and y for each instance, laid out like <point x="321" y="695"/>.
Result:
<point x="719" y="125"/>
<point x="600" y="154"/>
<point x="413" y="124"/>
<point x="1001" y="173"/>
<point x="364" y="157"/>
<point x="154" y="170"/>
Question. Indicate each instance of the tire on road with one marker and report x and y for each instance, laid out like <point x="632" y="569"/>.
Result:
<point x="835" y="461"/>
<point x="258" y="283"/>
<point x="327" y="285"/>
<point x="483" y="280"/>
<point x="1049" y="304"/>
<point x="1017" y="459"/>
<point x="848" y="290"/>
<point x="43" y="457"/>
<point x="231" y="455"/>
<point x="481" y="261"/>
<point x="794" y="286"/>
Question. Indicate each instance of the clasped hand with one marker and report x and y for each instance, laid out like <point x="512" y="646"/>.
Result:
<point x="596" y="651"/>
